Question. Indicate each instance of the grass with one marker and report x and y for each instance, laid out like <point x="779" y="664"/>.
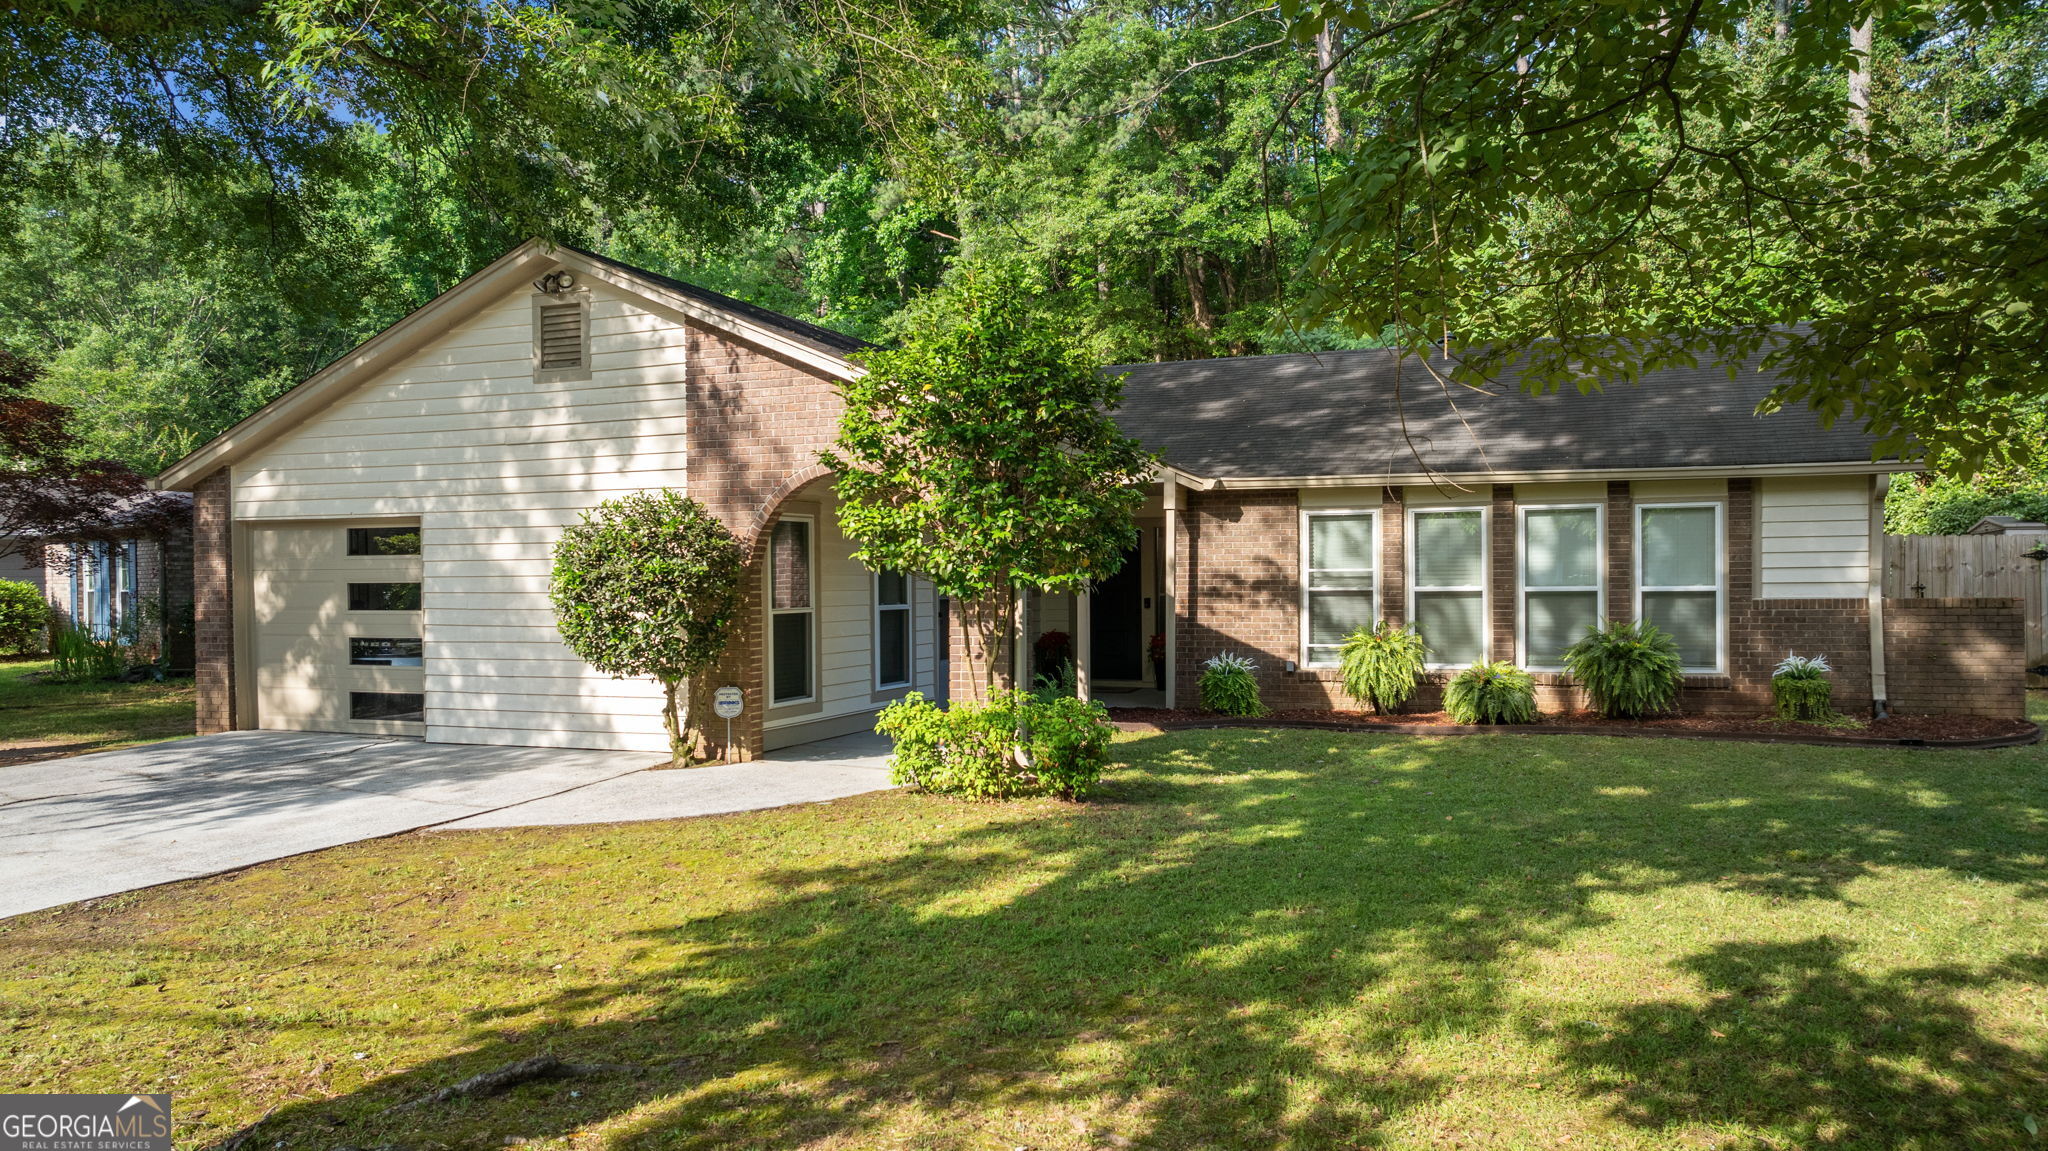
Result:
<point x="1254" y="939"/>
<point x="86" y="716"/>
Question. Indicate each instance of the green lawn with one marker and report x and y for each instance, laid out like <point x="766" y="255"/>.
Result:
<point x="61" y="717"/>
<point x="1253" y="940"/>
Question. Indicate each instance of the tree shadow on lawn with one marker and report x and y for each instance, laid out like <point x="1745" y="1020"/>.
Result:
<point x="1212" y="956"/>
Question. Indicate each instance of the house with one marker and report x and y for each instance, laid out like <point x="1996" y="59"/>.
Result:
<point x="133" y="582"/>
<point x="372" y="549"/>
<point x="2006" y="526"/>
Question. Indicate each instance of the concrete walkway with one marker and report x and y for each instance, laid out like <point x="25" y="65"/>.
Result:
<point x="112" y="821"/>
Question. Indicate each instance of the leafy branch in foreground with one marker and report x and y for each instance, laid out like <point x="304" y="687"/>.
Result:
<point x="1586" y="190"/>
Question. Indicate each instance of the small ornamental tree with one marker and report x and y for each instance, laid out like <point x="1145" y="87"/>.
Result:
<point x="648" y="584"/>
<point x="980" y="453"/>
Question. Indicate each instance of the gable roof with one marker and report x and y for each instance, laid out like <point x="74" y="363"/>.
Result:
<point x="1334" y="415"/>
<point x="789" y="325"/>
<point x="818" y="348"/>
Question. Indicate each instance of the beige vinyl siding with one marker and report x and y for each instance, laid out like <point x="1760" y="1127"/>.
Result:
<point x="494" y="465"/>
<point x="844" y="647"/>
<point x="1813" y="538"/>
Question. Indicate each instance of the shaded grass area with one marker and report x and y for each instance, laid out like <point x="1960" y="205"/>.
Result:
<point x="86" y="716"/>
<point x="1254" y="939"/>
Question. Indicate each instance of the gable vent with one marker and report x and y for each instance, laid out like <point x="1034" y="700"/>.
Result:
<point x="561" y="336"/>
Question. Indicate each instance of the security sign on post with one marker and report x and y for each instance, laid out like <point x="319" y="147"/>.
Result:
<point x="727" y="703"/>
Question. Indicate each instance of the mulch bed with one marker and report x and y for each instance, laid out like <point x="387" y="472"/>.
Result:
<point x="1898" y="730"/>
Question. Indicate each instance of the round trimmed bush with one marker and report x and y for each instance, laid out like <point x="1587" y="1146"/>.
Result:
<point x="24" y="619"/>
<point x="1497" y="692"/>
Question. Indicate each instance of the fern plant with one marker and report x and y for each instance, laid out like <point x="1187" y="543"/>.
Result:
<point x="1381" y="665"/>
<point x="1228" y="685"/>
<point x="1630" y="669"/>
<point x="1800" y="689"/>
<point x="1497" y="692"/>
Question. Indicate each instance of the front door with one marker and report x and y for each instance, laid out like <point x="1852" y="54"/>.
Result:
<point x="1116" y="622"/>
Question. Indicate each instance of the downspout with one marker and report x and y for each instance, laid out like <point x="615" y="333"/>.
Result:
<point x="1879" y="693"/>
<point x="1168" y="610"/>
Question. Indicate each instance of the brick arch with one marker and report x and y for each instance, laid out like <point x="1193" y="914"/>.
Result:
<point x="756" y="531"/>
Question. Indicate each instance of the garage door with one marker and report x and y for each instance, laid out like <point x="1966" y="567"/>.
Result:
<point x="337" y="633"/>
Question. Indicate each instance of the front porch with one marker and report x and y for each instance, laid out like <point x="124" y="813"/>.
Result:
<point x="1116" y="640"/>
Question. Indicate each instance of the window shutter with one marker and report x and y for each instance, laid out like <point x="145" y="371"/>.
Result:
<point x="561" y="336"/>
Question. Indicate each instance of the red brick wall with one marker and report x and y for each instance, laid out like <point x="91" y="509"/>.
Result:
<point x="1621" y="551"/>
<point x="1239" y="591"/>
<point x="756" y="425"/>
<point x="213" y="603"/>
<point x="1963" y="656"/>
<point x="1501" y="559"/>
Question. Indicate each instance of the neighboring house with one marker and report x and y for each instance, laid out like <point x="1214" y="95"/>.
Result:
<point x="16" y="566"/>
<point x="136" y="588"/>
<point x="373" y="547"/>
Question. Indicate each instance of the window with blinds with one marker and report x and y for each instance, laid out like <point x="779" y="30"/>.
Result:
<point x="1339" y="582"/>
<point x="1561" y="565"/>
<point x="560" y="336"/>
<point x="1447" y="583"/>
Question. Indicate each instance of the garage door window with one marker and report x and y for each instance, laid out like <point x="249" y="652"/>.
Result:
<point x="400" y="705"/>
<point x="383" y="597"/>
<point x="384" y="652"/>
<point x="383" y="541"/>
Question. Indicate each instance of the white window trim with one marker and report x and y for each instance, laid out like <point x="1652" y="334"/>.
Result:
<point x="908" y="610"/>
<point x="811" y="648"/>
<point x="1720" y="574"/>
<point x="1522" y="588"/>
<point x="1379" y="606"/>
<point x="1484" y="588"/>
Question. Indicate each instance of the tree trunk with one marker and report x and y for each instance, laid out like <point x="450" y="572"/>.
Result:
<point x="683" y="746"/>
<point x="1198" y="290"/>
<point x="1326" y="67"/>
<point x="1861" y="39"/>
<point x="1781" y="19"/>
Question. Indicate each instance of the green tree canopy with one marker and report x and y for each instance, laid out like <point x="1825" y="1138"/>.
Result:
<point x="980" y="454"/>
<point x="1855" y="190"/>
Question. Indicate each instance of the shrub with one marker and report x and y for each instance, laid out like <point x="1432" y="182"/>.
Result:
<point x="82" y="659"/>
<point x="1381" y="665"/>
<point x="973" y="749"/>
<point x="1497" y="692"/>
<point x="649" y="584"/>
<point x="1228" y="685"/>
<point x="1630" y="669"/>
<point x="24" y="618"/>
<point x="1800" y="689"/>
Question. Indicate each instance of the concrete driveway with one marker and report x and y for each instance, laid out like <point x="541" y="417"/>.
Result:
<point x="112" y="821"/>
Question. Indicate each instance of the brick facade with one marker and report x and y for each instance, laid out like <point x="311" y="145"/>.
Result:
<point x="213" y="602"/>
<point x="1239" y="590"/>
<point x="1964" y="656"/>
<point x="757" y="423"/>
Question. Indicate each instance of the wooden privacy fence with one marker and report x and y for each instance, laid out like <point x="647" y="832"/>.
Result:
<point x="1940" y="567"/>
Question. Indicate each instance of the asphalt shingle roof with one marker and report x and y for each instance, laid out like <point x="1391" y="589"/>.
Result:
<point x="1334" y="414"/>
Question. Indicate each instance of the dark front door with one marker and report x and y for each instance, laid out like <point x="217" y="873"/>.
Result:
<point x="1117" y="624"/>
